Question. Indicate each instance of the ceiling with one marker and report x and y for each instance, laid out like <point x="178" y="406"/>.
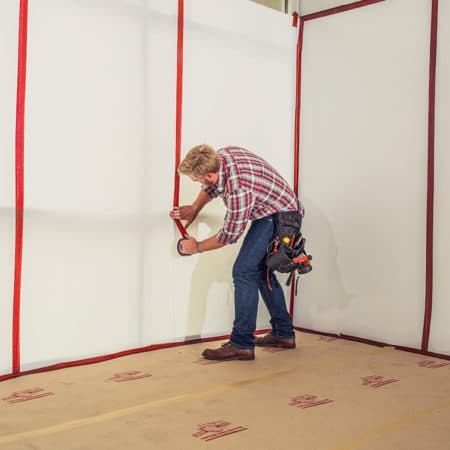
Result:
<point x="310" y="6"/>
<point x="303" y="6"/>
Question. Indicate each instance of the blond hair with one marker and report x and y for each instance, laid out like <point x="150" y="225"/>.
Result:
<point x="199" y="161"/>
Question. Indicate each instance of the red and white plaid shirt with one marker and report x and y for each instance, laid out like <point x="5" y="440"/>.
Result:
<point x="251" y="189"/>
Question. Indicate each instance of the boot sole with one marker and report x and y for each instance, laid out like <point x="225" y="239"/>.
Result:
<point x="287" y="346"/>
<point x="231" y="358"/>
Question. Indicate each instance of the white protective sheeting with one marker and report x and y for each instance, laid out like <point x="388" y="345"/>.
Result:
<point x="363" y="171"/>
<point x="100" y="270"/>
<point x="9" y="27"/>
<point x="440" y="330"/>
<point x="162" y="269"/>
<point x="239" y="67"/>
<point x="85" y="153"/>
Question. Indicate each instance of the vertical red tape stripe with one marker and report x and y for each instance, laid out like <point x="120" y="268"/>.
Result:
<point x="20" y="125"/>
<point x="179" y="111"/>
<point x="298" y="90"/>
<point x="430" y="176"/>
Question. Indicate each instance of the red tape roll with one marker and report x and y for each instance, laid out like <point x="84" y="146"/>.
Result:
<point x="180" y="252"/>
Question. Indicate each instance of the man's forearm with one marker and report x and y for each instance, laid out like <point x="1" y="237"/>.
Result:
<point x="210" y="244"/>
<point x="202" y="199"/>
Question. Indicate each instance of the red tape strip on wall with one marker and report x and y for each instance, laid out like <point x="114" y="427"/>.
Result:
<point x="298" y="88"/>
<point x="430" y="176"/>
<point x="20" y="125"/>
<point x="179" y="112"/>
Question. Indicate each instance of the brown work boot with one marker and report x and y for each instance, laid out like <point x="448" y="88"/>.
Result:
<point x="228" y="352"/>
<point x="269" y="340"/>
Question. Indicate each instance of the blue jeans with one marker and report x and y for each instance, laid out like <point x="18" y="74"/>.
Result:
<point x="249" y="276"/>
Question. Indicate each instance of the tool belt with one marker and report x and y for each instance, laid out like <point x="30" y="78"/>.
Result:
<point x="286" y="252"/>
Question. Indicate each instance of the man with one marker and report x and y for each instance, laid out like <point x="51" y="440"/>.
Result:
<point x="251" y="190"/>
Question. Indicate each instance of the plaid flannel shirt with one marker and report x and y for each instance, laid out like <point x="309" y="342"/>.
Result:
<point x="251" y="189"/>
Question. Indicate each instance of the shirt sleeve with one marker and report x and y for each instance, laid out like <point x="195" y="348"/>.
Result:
<point x="210" y="190"/>
<point x="239" y="205"/>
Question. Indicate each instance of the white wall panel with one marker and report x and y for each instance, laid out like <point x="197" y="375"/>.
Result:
<point x="363" y="171"/>
<point x="85" y="148"/>
<point x="440" y="330"/>
<point x="100" y="270"/>
<point x="162" y="269"/>
<point x="9" y="21"/>
<point x="239" y="62"/>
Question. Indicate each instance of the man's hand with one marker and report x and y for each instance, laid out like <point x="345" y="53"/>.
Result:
<point x="186" y="212"/>
<point x="189" y="246"/>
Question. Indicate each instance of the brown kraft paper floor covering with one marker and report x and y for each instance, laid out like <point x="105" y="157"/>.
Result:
<point x="328" y="394"/>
